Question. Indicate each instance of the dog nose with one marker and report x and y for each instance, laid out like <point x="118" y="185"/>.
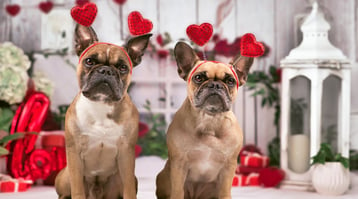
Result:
<point x="215" y="85"/>
<point x="105" y="70"/>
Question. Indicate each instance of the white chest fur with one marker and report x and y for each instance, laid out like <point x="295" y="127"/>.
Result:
<point x="98" y="137"/>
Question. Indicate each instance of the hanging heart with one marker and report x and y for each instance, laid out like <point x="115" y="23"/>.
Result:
<point x="13" y="9"/>
<point x="120" y="2"/>
<point x="81" y="2"/>
<point x="249" y="47"/>
<point x="84" y="15"/>
<point x="46" y="6"/>
<point x="138" y="25"/>
<point x="200" y="34"/>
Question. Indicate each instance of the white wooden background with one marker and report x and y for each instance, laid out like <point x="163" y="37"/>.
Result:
<point x="272" y="21"/>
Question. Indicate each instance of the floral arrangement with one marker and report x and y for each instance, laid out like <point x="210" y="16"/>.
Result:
<point x="42" y="83"/>
<point x="13" y="73"/>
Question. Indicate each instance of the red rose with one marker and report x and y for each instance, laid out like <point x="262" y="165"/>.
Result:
<point x="162" y="54"/>
<point x="160" y="40"/>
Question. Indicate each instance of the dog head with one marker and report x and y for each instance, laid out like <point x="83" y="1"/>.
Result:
<point x="104" y="70"/>
<point x="212" y="86"/>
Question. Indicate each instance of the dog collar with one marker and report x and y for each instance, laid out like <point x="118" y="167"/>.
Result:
<point x="229" y="65"/>
<point x="97" y="43"/>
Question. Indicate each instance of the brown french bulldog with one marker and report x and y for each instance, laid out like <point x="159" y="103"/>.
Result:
<point x="101" y="127"/>
<point x="204" y="138"/>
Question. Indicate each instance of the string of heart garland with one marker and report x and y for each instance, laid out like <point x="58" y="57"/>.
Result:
<point x="46" y="6"/>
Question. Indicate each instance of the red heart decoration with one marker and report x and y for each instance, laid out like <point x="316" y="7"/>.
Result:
<point x="46" y="6"/>
<point x="84" y="15"/>
<point x="138" y="25"/>
<point x="271" y="176"/>
<point x="200" y="34"/>
<point x="81" y="2"/>
<point x="13" y="9"/>
<point x="250" y="47"/>
<point x="120" y="2"/>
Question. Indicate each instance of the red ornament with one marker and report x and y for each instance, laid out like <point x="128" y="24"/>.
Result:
<point x="13" y="9"/>
<point x="84" y="15"/>
<point x="138" y="25"/>
<point x="40" y="164"/>
<point x="120" y="2"/>
<point x="46" y="6"/>
<point x="250" y="47"/>
<point x="200" y="34"/>
<point x="271" y="177"/>
<point x="81" y="2"/>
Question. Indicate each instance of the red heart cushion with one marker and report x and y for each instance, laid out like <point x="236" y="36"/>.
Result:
<point x="138" y="25"/>
<point x="84" y="15"/>
<point x="81" y="2"/>
<point x="250" y="47"/>
<point x="200" y="34"/>
<point x="271" y="176"/>
<point x="46" y="6"/>
<point x="120" y="2"/>
<point x="13" y="9"/>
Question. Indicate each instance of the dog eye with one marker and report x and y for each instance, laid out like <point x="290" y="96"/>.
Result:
<point x="90" y="62"/>
<point x="123" y="68"/>
<point x="230" y="81"/>
<point x="198" y="78"/>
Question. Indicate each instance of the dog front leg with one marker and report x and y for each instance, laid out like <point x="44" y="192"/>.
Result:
<point x="126" y="162"/>
<point x="178" y="174"/>
<point x="74" y="165"/>
<point x="225" y="180"/>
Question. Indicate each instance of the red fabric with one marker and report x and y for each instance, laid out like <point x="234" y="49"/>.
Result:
<point x="29" y="117"/>
<point x="120" y="2"/>
<point x="271" y="177"/>
<point x="250" y="47"/>
<point x="13" y="9"/>
<point x="254" y="160"/>
<point x="46" y="6"/>
<point x="84" y="15"/>
<point x="200" y="34"/>
<point x="138" y="25"/>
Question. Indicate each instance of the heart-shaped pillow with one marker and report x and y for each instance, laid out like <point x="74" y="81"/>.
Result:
<point x="46" y="6"/>
<point x="271" y="176"/>
<point x="138" y="25"/>
<point x="200" y="34"/>
<point x="13" y="9"/>
<point x="250" y="47"/>
<point x="84" y="15"/>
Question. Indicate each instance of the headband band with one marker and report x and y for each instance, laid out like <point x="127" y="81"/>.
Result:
<point x="230" y="66"/>
<point x="97" y="43"/>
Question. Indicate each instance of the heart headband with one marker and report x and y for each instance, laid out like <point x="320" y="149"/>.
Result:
<point x="228" y="65"/>
<point x="97" y="43"/>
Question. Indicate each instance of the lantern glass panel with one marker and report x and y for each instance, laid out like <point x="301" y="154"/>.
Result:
<point x="330" y="111"/>
<point x="299" y="125"/>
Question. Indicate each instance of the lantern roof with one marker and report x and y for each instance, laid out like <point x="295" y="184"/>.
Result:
<point x="315" y="46"/>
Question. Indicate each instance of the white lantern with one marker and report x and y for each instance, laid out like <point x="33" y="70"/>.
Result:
<point x="315" y="100"/>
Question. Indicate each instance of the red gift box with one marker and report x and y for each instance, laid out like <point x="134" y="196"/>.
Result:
<point x="239" y="180"/>
<point x="8" y="184"/>
<point x="252" y="179"/>
<point x="254" y="160"/>
<point x="247" y="170"/>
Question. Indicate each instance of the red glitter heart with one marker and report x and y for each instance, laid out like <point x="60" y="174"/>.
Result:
<point x="200" y="34"/>
<point x="138" y="25"/>
<point x="120" y="2"/>
<point x="250" y="47"/>
<point x="84" y="15"/>
<point x="13" y="9"/>
<point x="46" y="6"/>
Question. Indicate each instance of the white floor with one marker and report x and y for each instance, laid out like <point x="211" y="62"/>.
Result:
<point x="148" y="167"/>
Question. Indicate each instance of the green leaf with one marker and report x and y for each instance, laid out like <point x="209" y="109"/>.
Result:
<point x="8" y="138"/>
<point x="6" y="115"/>
<point x="3" y="151"/>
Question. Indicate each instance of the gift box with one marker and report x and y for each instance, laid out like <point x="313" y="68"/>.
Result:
<point x="8" y="184"/>
<point x="247" y="170"/>
<point x="252" y="180"/>
<point x="254" y="160"/>
<point x="239" y="180"/>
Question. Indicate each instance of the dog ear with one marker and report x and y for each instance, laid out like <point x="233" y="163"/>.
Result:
<point x="186" y="58"/>
<point x="84" y="37"/>
<point x="242" y="66"/>
<point x="136" y="47"/>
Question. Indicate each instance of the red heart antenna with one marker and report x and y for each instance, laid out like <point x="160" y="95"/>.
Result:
<point x="84" y="15"/>
<point x="249" y="47"/>
<point x="200" y="34"/>
<point x="138" y="25"/>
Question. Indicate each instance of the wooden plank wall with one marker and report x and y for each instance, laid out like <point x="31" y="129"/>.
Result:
<point x="272" y="21"/>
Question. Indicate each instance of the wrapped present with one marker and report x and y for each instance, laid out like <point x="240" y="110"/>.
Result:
<point x="247" y="170"/>
<point x="239" y="180"/>
<point x="8" y="184"/>
<point x="252" y="179"/>
<point x="250" y="159"/>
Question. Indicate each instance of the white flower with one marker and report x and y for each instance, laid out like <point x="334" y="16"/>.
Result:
<point x="13" y="84"/>
<point x="13" y="56"/>
<point x="42" y="83"/>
